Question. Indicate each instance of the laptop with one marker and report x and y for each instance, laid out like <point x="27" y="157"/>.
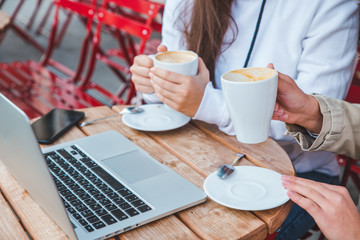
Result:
<point x="93" y="187"/>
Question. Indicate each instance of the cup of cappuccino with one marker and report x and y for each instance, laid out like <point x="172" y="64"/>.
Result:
<point x="250" y="95"/>
<point x="181" y="61"/>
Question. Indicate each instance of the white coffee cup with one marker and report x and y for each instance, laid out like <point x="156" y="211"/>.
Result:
<point x="250" y="95"/>
<point x="180" y="61"/>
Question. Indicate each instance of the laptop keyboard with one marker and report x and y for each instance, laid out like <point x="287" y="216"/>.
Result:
<point x="90" y="194"/>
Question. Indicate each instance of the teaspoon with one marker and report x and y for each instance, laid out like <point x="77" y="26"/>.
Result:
<point x="225" y="170"/>
<point x="131" y="110"/>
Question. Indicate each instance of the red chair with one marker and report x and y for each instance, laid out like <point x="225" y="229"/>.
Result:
<point x="126" y="29"/>
<point x="37" y="87"/>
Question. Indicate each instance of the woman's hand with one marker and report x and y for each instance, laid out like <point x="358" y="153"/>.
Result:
<point x="331" y="206"/>
<point x="180" y="92"/>
<point x="140" y="71"/>
<point x="294" y="106"/>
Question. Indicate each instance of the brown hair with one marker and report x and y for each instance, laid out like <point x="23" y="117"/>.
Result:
<point x="204" y="32"/>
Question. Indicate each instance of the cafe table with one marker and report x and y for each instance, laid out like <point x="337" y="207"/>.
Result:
<point x="194" y="151"/>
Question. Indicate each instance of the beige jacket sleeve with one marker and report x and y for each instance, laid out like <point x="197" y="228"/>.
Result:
<point x="340" y="132"/>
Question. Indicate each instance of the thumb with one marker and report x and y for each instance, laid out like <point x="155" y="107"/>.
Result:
<point x="270" y="65"/>
<point x="161" y="48"/>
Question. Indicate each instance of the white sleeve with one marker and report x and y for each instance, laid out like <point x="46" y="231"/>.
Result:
<point x="213" y="110"/>
<point x="329" y="56"/>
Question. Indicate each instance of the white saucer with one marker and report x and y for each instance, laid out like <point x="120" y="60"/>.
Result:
<point x="156" y="117"/>
<point x="248" y="188"/>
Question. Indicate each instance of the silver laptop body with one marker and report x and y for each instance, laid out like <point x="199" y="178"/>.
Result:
<point x="158" y="189"/>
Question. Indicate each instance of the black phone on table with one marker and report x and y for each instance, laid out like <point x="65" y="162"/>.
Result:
<point x="55" y="123"/>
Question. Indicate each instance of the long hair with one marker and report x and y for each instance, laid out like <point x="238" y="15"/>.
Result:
<point x="204" y="32"/>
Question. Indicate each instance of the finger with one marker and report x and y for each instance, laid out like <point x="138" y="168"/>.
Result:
<point x="169" y="76"/>
<point x="144" y="61"/>
<point x="309" y="189"/>
<point x="141" y="81"/>
<point x="270" y="65"/>
<point x="161" y="48"/>
<point x="310" y="206"/>
<point x="164" y="84"/>
<point x="140" y="70"/>
<point x="165" y="96"/>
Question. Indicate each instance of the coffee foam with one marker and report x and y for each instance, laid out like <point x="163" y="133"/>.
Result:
<point x="175" y="57"/>
<point x="250" y="74"/>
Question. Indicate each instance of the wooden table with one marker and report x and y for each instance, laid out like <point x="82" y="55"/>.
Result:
<point x="194" y="151"/>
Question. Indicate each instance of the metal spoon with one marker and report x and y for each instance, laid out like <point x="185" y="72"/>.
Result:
<point x="225" y="170"/>
<point x="125" y="110"/>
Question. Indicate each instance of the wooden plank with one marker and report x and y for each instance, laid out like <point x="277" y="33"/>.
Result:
<point x="174" y="228"/>
<point x="268" y="155"/>
<point x="194" y="150"/>
<point x="10" y="228"/>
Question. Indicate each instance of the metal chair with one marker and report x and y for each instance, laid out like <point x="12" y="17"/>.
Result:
<point x="126" y="30"/>
<point x="37" y="87"/>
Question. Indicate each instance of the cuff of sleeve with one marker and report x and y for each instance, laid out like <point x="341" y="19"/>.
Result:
<point x="331" y="128"/>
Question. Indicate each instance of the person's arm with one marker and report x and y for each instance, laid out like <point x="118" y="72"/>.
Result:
<point x="336" y="122"/>
<point x="331" y="206"/>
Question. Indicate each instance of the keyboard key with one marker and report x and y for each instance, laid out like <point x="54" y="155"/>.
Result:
<point x="65" y="192"/>
<point x="144" y="208"/>
<point x="93" y="219"/>
<point x="96" y="207"/>
<point x="124" y="192"/>
<point x="71" y="210"/>
<point x="120" y="215"/>
<point x="131" y="198"/>
<point x="108" y="219"/>
<point x="64" y="153"/>
<point x="87" y="213"/>
<point x="124" y="206"/>
<point x="88" y="228"/>
<point x="107" y="178"/>
<point x="75" y="202"/>
<point x="104" y="201"/>
<point x="118" y="200"/>
<point x="111" y="207"/>
<point x="89" y="201"/>
<point x="99" y="225"/>
<point x="101" y="212"/>
<point x="81" y="207"/>
<point x="99" y="196"/>
<point x="82" y="222"/>
<point x="112" y="195"/>
<point x="77" y="216"/>
<point x="137" y="203"/>
<point x="132" y="212"/>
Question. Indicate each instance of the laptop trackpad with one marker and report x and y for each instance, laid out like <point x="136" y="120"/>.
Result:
<point x="133" y="166"/>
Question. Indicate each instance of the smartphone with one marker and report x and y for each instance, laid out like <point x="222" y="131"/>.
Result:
<point x="55" y="123"/>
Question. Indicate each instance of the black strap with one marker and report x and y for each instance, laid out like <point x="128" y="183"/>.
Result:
<point x="255" y="33"/>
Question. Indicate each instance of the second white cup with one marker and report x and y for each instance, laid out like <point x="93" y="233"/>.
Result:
<point x="250" y="95"/>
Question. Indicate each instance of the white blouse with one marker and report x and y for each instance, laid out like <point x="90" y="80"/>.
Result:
<point x="312" y="41"/>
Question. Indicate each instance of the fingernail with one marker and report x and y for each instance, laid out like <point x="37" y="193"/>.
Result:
<point x="151" y="69"/>
<point x="151" y="74"/>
